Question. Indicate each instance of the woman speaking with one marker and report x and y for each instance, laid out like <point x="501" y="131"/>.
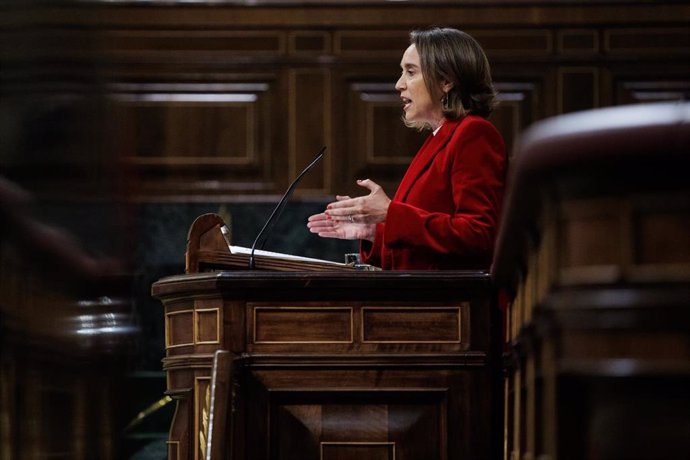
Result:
<point x="445" y="212"/>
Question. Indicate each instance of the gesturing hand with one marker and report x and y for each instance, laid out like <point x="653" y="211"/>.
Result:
<point x="368" y="209"/>
<point x="326" y="227"/>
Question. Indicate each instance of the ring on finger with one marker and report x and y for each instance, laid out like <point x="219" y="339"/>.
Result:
<point x="352" y="220"/>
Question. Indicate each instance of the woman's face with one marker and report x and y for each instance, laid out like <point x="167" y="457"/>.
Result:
<point x="419" y="106"/>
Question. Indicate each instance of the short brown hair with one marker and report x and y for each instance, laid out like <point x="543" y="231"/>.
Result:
<point x="450" y="55"/>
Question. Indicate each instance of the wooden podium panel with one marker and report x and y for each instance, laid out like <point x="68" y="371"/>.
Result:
<point x="335" y="365"/>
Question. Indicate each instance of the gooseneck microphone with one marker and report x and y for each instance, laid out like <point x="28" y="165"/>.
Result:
<point x="279" y="208"/>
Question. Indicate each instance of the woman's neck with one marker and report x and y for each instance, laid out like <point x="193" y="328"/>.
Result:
<point x="435" y="125"/>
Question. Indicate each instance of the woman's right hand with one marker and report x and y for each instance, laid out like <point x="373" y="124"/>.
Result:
<point x="326" y="227"/>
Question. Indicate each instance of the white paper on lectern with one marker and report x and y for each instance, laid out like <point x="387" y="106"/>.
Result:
<point x="279" y="255"/>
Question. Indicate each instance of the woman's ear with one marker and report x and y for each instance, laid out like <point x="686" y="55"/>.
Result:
<point x="446" y="86"/>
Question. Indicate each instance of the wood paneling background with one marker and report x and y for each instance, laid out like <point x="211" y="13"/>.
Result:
<point x="125" y="120"/>
<point x="219" y="100"/>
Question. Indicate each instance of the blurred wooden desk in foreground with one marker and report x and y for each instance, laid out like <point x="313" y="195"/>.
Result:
<point x="595" y="246"/>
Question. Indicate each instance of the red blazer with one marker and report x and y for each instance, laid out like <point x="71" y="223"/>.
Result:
<point x="446" y="211"/>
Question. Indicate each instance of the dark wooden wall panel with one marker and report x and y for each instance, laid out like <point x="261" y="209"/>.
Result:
<point x="309" y="121"/>
<point x="577" y="42"/>
<point x="514" y="43"/>
<point x="195" y="136"/>
<point x="323" y="73"/>
<point x="307" y="42"/>
<point x="380" y="146"/>
<point x="372" y="43"/>
<point x="516" y="109"/>
<point x="197" y="41"/>
<point x="578" y="88"/>
<point x="640" y="41"/>
<point x="630" y="91"/>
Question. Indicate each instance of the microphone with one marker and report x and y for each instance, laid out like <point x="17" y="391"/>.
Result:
<point x="279" y="207"/>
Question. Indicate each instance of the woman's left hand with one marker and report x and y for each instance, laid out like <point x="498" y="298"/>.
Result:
<point x="368" y="209"/>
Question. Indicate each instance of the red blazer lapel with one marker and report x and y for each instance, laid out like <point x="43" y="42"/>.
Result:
<point x="424" y="157"/>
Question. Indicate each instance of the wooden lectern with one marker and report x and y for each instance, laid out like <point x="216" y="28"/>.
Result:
<point x="327" y="364"/>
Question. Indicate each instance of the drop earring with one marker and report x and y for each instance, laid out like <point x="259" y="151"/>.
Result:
<point x="444" y="102"/>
